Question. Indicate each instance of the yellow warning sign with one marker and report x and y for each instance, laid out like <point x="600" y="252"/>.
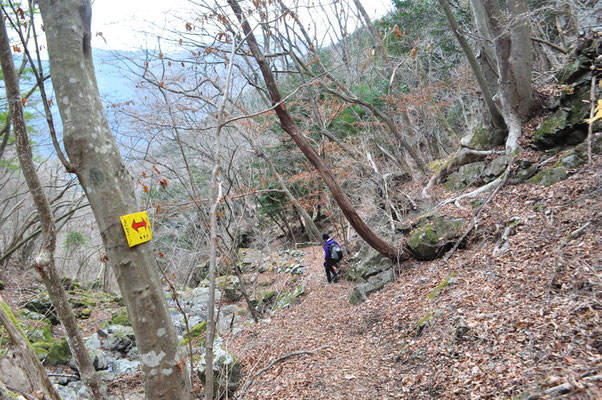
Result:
<point x="137" y="228"/>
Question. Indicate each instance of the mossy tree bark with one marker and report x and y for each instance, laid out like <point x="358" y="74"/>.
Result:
<point x="109" y="187"/>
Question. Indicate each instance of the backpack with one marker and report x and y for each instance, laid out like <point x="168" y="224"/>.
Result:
<point x="336" y="254"/>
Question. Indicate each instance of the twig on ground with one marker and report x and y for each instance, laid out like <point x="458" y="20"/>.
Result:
<point x="565" y="387"/>
<point x="271" y="364"/>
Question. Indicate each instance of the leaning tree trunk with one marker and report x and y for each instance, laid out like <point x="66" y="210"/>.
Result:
<point x="109" y="187"/>
<point x="45" y="262"/>
<point x="288" y="125"/>
<point x="496" y="116"/>
<point x="24" y="358"/>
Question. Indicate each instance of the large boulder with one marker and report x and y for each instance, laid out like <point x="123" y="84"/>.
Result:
<point x="226" y="371"/>
<point x="249" y="259"/>
<point x="369" y="264"/>
<point x="118" y="338"/>
<point x="465" y="176"/>
<point x="434" y="236"/>
<point x="53" y="353"/>
<point x="560" y="170"/>
<point x="360" y="293"/>
<point x="495" y="168"/>
<point x="125" y="367"/>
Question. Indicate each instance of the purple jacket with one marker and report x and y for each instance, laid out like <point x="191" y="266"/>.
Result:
<point x="327" y="246"/>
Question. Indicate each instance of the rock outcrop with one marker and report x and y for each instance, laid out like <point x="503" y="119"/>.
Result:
<point x="434" y="236"/>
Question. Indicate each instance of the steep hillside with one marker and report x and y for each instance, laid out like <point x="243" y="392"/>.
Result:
<point x="516" y="325"/>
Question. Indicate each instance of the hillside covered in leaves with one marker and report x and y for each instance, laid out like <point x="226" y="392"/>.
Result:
<point x="452" y="149"/>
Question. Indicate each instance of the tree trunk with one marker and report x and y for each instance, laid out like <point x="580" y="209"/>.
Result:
<point x="44" y="263"/>
<point x="23" y="357"/>
<point x="496" y="116"/>
<point x="103" y="176"/>
<point x="514" y="61"/>
<point x="288" y="125"/>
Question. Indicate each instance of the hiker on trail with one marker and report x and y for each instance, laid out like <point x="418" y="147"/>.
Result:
<point x="332" y="255"/>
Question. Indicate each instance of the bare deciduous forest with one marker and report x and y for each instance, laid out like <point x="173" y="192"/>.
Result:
<point x="171" y="206"/>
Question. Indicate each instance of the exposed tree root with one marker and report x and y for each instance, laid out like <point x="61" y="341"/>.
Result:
<point x="461" y="157"/>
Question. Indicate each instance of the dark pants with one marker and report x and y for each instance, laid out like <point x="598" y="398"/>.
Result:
<point x="328" y="265"/>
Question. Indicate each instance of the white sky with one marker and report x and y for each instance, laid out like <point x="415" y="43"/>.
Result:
<point x="122" y="22"/>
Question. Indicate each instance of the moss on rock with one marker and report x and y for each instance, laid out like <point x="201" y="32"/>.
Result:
<point x="465" y="176"/>
<point x="551" y="131"/>
<point x="120" y="317"/>
<point x="288" y="298"/>
<point x="196" y="334"/>
<point x="53" y="353"/>
<point x="430" y="240"/>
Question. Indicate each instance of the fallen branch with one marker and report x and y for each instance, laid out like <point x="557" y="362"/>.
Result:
<point x="576" y="232"/>
<point x="271" y="364"/>
<point x="461" y="157"/>
<point x="502" y="245"/>
<point x="552" y="45"/>
<point x="565" y="387"/>
<point x="76" y="377"/>
<point x="475" y="216"/>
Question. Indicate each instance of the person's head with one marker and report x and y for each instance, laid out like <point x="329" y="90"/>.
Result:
<point x="325" y="236"/>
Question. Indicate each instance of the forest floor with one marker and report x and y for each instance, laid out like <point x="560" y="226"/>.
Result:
<point x="506" y="326"/>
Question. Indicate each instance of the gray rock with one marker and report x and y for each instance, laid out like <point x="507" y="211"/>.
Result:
<point x="572" y="161"/>
<point x="465" y="176"/>
<point x="360" y="293"/>
<point x="249" y="259"/>
<point x="125" y="367"/>
<point x="228" y="317"/>
<point x="226" y="371"/>
<point x="434" y="236"/>
<point x="369" y="264"/>
<point x="550" y="176"/>
<point x="93" y="342"/>
<point x="98" y="358"/>
<point x="66" y="392"/>
<point x="133" y="352"/>
<point x="43" y="306"/>
<point x="119" y="338"/>
<point x="495" y="168"/>
<point x="106" y="376"/>
<point x="81" y="391"/>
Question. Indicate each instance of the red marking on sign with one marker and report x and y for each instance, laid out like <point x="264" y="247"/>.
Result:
<point x="136" y="225"/>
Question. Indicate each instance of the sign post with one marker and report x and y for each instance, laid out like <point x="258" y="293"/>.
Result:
<point x="137" y="228"/>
